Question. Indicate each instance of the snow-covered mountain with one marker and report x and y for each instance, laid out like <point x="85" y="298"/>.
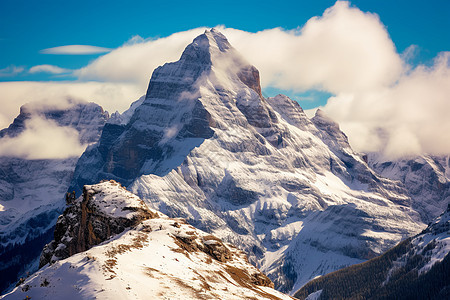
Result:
<point x="143" y="254"/>
<point x="205" y="145"/>
<point x="417" y="268"/>
<point x="32" y="191"/>
<point x="426" y="179"/>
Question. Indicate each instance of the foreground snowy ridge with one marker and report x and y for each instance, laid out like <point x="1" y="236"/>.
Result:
<point x="158" y="258"/>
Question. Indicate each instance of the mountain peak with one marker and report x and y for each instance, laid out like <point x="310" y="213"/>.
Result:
<point x="215" y="49"/>
<point x="218" y="39"/>
<point x="209" y="54"/>
<point x="321" y="119"/>
<point x="211" y="42"/>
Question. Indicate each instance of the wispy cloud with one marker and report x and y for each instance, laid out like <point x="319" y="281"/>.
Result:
<point x="48" y="69"/>
<point x="11" y="71"/>
<point x="75" y="50"/>
<point x="137" y="58"/>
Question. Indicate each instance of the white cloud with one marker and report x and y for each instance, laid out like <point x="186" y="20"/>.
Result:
<point x="60" y="103"/>
<point x="42" y="139"/>
<point x="75" y="50"/>
<point x="409" y="53"/>
<point x="48" y="69"/>
<point x="345" y="50"/>
<point x="11" y="71"/>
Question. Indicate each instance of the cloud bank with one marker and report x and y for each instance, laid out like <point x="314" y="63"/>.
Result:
<point x="408" y="118"/>
<point x="345" y="50"/>
<point x="381" y="102"/>
<point x="75" y="50"/>
<point x="42" y="139"/>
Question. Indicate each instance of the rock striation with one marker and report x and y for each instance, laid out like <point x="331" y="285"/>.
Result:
<point x="426" y="179"/>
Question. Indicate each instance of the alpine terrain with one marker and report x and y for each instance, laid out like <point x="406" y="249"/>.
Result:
<point x="32" y="191"/>
<point x="144" y="255"/>
<point x="206" y="146"/>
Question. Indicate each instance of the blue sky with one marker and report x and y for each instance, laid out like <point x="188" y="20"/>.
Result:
<point x="26" y="27"/>
<point x="369" y="64"/>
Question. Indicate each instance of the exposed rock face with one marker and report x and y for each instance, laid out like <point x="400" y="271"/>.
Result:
<point x="250" y="77"/>
<point x="355" y="168"/>
<point x="158" y="257"/>
<point x="205" y="146"/>
<point x="85" y="223"/>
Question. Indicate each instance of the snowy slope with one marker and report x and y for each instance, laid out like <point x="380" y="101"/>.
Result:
<point x="417" y="268"/>
<point x="426" y="179"/>
<point x="32" y="191"/>
<point x="159" y="258"/>
<point x="206" y="146"/>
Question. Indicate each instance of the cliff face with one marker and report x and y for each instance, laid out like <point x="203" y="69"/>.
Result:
<point x="426" y="179"/>
<point x="85" y="224"/>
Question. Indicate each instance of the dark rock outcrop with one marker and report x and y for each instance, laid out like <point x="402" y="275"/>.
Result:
<point x="84" y="225"/>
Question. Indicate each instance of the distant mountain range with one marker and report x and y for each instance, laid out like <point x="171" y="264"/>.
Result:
<point x="32" y="191"/>
<point x="204" y="145"/>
